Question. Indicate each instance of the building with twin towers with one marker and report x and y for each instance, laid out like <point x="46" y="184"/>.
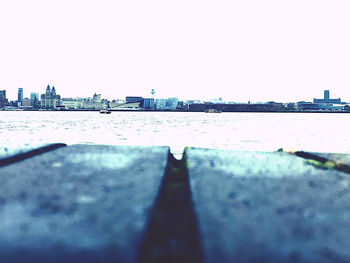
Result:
<point x="50" y="100"/>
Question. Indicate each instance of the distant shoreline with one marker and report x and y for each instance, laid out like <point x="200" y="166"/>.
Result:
<point x="67" y="110"/>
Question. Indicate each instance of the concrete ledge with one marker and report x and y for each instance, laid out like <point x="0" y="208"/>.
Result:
<point x="79" y="204"/>
<point x="268" y="207"/>
<point x="98" y="203"/>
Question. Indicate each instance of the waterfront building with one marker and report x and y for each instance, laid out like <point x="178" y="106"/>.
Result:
<point x="171" y="103"/>
<point x="97" y="98"/>
<point x="26" y="103"/>
<point x="94" y="103"/>
<point x="181" y="106"/>
<point x="3" y="101"/>
<point x="128" y="106"/>
<point x="70" y="103"/>
<point x="116" y="103"/>
<point x="50" y="100"/>
<point x="291" y="106"/>
<point x="239" y="107"/>
<point x="34" y="98"/>
<point x="104" y="104"/>
<point x="160" y="104"/>
<point x="326" y="99"/>
<point x="20" y="96"/>
<point x="130" y="99"/>
<point x="2" y="94"/>
<point x="88" y="104"/>
<point x="308" y="106"/>
<point x="276" y="106"/>
<point x="148" y="104"/>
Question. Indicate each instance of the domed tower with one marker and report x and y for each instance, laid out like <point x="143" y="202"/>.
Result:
<point x="53" y="102"/>
<point x="47" y="103"/>
<point x="53" y="92"/>
<point x="152" y="92"/>
<point x="48" y="90"/>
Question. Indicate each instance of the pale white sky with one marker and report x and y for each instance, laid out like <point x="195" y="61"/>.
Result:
<point x="256" y="50"/>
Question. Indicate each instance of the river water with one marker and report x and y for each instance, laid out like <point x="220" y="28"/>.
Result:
<point x="319" y="132"/>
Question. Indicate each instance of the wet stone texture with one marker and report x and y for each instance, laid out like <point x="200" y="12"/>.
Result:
<point x="81" y="203"/>
<point x="268" y="207"/>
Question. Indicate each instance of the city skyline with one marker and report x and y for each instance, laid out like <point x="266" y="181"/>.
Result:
<point x="51" y="100"/>
<point x="240" y="51"/>
<point x="326" y="95"/>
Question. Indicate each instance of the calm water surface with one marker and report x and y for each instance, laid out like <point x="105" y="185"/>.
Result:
<point x="324" y="132"/>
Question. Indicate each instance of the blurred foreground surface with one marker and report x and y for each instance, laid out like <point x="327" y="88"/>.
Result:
<point x="98" y="203"/>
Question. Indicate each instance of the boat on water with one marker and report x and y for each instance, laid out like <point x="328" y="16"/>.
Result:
<point x="105" y="112"/>
<point x="212" y="111"/>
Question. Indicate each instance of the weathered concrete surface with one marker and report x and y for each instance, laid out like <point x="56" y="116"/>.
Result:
<point x="79" y="203"/>
<point x="11" y="155"/>
<point x="268" y="207"/>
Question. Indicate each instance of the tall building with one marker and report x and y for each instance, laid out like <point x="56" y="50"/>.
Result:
<point x="2" y="94"/>
<point x="34" y="99"/>
<point x="50" y="100"/>
<point x="3" y="100"/>
<point x="326" y="94"/>
<point x="20" y="95"/>
<point x="148" y="104"/>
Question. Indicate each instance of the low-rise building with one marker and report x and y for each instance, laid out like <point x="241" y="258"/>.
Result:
<point x="129" y="106"/>
<point x="309" y="106"/>
<point x="70" y="103"/>
<point x="116" y="103"/>
<point x="26" y="103"/>
<point x="131" y="99"/>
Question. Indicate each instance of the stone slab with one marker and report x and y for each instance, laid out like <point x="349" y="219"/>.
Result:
<point x="268" y="207"/>
<point x="82" y="203"/>
<point x="13" y="154"/>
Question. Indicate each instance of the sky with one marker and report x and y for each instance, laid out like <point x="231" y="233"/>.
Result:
<point x="251" y="50"/>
